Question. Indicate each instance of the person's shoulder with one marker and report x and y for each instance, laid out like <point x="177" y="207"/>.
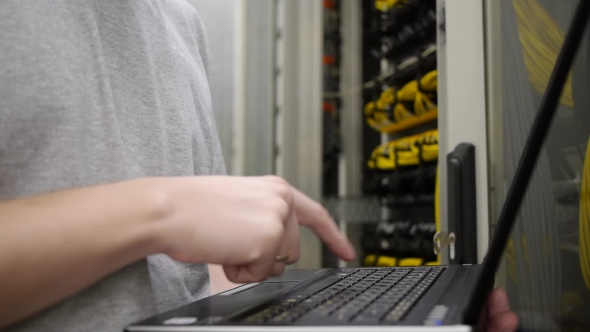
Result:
<point x="187" y="14"/>
<point x="189" y="10"/>
<point x="191" y="14"/>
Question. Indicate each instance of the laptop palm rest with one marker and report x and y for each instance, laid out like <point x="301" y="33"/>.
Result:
<point x="212" y="309"/>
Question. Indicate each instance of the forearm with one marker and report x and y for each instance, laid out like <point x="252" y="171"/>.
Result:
<point x="56" y="245"/>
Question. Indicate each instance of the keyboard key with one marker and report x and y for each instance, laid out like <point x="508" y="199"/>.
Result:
<point x="315" y="288"/>
<point x="367" y="320"/>
<point x="347" y="309"/>
<point x="373" y="313"/>
<point x="344" y="274"/>
<point x="330" y="306"/>
<point x="282" y="319"/>
<point x="365" y="271"/>
<point x="343" y="317"/>
<point x="357" y="306"/>
<point x="311" y="302"/>
<point x="380" y="287"/>
<point x="361" y="287"/>
<point x="351" y="270"/>
<point x="373" y="277"/>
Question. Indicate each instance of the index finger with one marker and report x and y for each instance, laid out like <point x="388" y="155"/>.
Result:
<point x="314" y="216"/>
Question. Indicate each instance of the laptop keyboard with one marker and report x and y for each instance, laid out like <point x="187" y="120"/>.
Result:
<point x="363" y="296"/>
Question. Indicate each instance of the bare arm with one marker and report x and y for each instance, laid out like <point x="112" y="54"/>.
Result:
<point x="92" y="231"/>
<point x="57" y="244"/>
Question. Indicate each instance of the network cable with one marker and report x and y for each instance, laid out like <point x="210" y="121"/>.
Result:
<point x="386" y="5"/>
<point x="541" y="40"/>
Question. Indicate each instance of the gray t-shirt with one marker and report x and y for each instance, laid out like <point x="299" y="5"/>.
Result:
<point x="101" y="91"/>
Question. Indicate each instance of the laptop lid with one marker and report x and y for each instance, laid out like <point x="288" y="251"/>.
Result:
<point x="528" y="161"/>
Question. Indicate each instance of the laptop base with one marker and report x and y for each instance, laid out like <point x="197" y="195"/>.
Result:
<point x="332" y="299"/>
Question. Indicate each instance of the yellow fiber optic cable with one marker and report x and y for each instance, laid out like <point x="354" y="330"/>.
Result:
<point x="541" y="39"/>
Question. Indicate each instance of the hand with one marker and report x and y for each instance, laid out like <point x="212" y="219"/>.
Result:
<point x="243" y="224"/>
<point x="313" y="215"/>
<point x="500" y="318"/>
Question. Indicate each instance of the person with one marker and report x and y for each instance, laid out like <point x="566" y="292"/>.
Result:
<point x="114" y="200"/>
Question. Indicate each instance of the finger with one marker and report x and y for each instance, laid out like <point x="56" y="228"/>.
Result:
<point x="503" y="322"/>
<point x="246" y="273"/>
<point x="289" y="248"/>
<point x="292" y="242"/>
<point x="278" y="269"/>
<point x="254" y="272"/>
<point x="498" y="303"/>
<point x="314" y="216"/>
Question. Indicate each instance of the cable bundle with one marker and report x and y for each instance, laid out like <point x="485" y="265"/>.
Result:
<point x="407" y="151"/>
<point x="429" y="146"/>
<point x="383" y="158"/>
<point x="386" y="5"/>
<point x="541" y="40"/>
<point x="400" y="243"/>
<point x="397" y="105"/>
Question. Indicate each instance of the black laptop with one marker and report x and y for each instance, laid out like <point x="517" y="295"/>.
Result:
<point x="437" y="298"/>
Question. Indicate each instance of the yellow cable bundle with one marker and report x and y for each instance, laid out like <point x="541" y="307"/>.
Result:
<point x="423" y="104"/>
<point x="429" y="145"/>
<point x="541" y="39"/>
<point x="401" y="112"/>
<point x="407" y="150"/>
<point x="388" y="98"/>
<point x="373" y="161"/>
<point x="411" y="261"/>
<point x="428" y="84"/>
<point x="373" y="115"/>
<point x="386" y="5"/>
<point x="383" y="158"/>
<point x="417" y="92"/>
<point x="585" y="219"/>
<point x="408" y="92"/>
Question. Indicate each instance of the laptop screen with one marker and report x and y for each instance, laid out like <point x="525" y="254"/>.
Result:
<point x="546" y="266"/>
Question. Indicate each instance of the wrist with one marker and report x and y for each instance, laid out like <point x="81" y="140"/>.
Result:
<point x="156" y="202"/>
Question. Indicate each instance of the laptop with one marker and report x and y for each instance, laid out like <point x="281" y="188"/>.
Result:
<point x="426" y="298"/>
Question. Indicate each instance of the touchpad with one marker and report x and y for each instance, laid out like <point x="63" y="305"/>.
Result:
<point x="267" y="288"/>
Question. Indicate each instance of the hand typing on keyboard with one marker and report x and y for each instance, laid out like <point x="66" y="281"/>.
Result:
<point x="250" y="226"/>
